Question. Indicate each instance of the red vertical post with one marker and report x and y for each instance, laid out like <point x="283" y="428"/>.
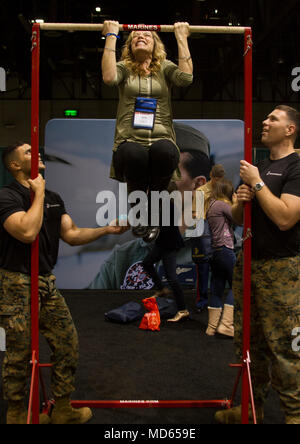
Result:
<point x="247" y="226"/>
<point x="35" y="246"/>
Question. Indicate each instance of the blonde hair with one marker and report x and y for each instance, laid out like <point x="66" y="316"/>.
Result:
<point x="158" y="56"/>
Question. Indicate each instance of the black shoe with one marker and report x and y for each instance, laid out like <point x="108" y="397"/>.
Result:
<point x="140" y="231"/>
<point x="152" y="235"/>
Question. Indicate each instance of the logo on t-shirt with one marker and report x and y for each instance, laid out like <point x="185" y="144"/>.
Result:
<point x="269" y="173"/>
<point x="52" y="205"/>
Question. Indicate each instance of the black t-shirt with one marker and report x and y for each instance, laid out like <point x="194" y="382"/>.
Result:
<point x="282" y="177"/>
<point x="16" y="255"/>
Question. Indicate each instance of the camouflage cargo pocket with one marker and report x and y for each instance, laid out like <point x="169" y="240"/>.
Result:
<point x="14" y="300"/>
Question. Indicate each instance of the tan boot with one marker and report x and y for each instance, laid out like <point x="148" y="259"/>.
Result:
<point x="214" y="315"/>
<point x="225" y="326"/>
<point x="234" y="415"/>
<point x="183" y="314"/>
<point x="17" y="414"/>
<point x="63" y="413"/>
<point x="292" y="420"/>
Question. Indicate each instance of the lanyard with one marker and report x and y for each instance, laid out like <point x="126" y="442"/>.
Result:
<point x="145" y="109"/>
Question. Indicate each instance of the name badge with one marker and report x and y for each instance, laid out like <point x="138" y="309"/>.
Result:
<point x="144" y="113"/>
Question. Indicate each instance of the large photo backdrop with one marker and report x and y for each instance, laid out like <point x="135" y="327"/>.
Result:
<point x="79" y="154"/>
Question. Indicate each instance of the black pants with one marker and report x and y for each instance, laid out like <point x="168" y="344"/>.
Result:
<point x="168" y="258"/>
<point x="146" y="169"/>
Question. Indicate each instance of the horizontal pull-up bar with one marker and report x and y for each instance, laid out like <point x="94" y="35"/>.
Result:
<point x="160" y="28"/>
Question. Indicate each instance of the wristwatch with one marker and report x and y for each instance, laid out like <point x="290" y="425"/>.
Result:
<point x="258" y="186"/>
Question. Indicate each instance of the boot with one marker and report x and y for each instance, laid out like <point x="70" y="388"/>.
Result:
<point x="140" y="230"/>
<point x="234" y="415"/>
<point x="226" y="324"/>
<point x="214" y="315"/>
<point x="152" y="234"/>
<point x="63" y="413"/>
<point x="292" y="420"/>
<point x="183" y="314"/>
<point x="17" y="414"/>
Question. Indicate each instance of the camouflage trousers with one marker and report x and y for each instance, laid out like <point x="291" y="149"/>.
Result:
<point x="275" y="313"/>
<point x="56" y="325"/>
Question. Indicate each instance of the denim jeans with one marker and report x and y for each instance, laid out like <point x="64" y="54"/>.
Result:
<point x="202" y="284"/>
<point x="222" y="265"/>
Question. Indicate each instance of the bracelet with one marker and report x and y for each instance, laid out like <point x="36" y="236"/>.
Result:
<point x="112" y="33"/>
<point x="109" y="49"/>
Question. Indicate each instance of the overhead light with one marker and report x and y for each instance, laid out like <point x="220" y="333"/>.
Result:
<point x="98" y="9"/>
<point x="38" y="21"/>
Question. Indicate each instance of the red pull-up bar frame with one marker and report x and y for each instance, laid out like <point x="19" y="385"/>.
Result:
<point x="244" y="366"/>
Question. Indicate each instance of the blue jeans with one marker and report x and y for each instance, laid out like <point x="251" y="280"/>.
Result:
<point x="222" y="265"/>
<point x="202" y="284"/>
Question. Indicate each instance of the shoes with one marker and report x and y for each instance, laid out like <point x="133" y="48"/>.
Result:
<point x="152" y="234"/>
<point x="140" y="230"/>
<point x="64" y="413"/>
<point x="221" y="321"/>
<point x="234" y="415"/>
<point x="225" y="326"/>
<point x="180" y="315"/>
<point x="17" y="414"/>
<point x="292" y="420"/>
<point x="214" y="315"/>
<point x="149" y="234"/>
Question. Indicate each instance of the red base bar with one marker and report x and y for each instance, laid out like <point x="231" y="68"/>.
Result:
<point x="222" y="403"/>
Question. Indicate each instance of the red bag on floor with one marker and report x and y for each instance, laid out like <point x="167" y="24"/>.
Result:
<point x="151" y="320"/>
